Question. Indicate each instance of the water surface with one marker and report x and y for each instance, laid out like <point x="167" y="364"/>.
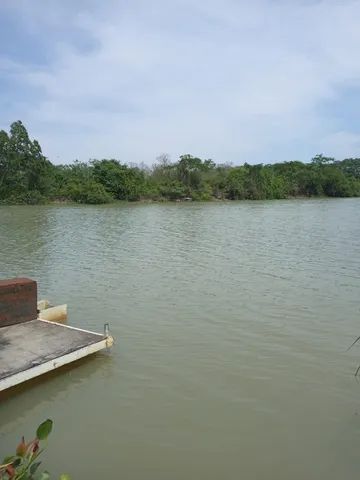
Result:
<point x="231" y="322"/>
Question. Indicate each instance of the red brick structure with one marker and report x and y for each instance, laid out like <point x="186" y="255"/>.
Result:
<point x="18" y="301"/>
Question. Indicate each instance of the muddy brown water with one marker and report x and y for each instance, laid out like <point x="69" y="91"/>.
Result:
<point x="231" y="321"/>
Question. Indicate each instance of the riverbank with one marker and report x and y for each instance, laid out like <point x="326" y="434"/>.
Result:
<point x="68" y="202"/>
<point x="71" y="203"/>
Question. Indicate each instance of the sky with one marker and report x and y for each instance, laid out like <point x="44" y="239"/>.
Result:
<point x="257" y="81"/>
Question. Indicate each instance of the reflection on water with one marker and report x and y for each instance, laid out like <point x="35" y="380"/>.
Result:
<point x="29" y="395"/>
<point x="232" y="322"/>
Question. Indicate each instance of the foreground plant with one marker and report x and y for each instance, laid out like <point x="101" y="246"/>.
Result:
<point x="24" y="464"/>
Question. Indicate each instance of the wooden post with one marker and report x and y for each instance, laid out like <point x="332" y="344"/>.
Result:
<point x="18" y="301"/>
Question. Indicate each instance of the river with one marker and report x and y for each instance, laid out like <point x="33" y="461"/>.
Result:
<point x="231" y="320"/>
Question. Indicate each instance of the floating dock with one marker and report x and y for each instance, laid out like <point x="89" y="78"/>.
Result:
<point x="29" y="346"/>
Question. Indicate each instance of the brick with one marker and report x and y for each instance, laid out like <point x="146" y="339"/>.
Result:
<point x="18" y="301"/>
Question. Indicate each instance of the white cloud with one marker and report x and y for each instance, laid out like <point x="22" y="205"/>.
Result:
<point x="232" y="80"/>
<point x="339" y="142"/>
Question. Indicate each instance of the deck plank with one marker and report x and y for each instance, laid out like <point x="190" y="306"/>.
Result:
<point x="33" y="343"/>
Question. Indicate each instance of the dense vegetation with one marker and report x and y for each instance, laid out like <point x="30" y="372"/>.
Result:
<point x="27" y="176"/>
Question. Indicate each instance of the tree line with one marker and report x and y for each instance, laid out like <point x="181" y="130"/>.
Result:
<point x="27" y="176"/>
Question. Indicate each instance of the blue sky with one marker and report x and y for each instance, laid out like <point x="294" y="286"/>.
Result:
<point x="235" y="81"/>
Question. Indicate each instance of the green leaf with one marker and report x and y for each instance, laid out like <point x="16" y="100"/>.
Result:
<point x="44" y="429"/>
<point x="9" y="459"/>
<point x="64" y="476"/>
<point x="17" y="462"/>
<point x="34" y="467"/>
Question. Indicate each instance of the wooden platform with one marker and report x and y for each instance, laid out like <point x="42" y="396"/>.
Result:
<point x="32" y="348"/>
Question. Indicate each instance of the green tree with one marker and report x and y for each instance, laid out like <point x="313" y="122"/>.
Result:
<point x="122" y="182"/>
<point x="320" y="159"/>
<point x="27" y="176"/>
<point x="24" y="171"/>
<point x="235" y="184"/>
<point x="76" y="182"/>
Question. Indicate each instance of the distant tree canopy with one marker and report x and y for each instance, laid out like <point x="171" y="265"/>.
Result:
<point x="26" y="176"/>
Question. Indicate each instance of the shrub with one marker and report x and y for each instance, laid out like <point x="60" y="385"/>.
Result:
<point x="89" y="192"/>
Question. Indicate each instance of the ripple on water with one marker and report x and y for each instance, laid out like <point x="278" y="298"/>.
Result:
<point x="232" y="322"/>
